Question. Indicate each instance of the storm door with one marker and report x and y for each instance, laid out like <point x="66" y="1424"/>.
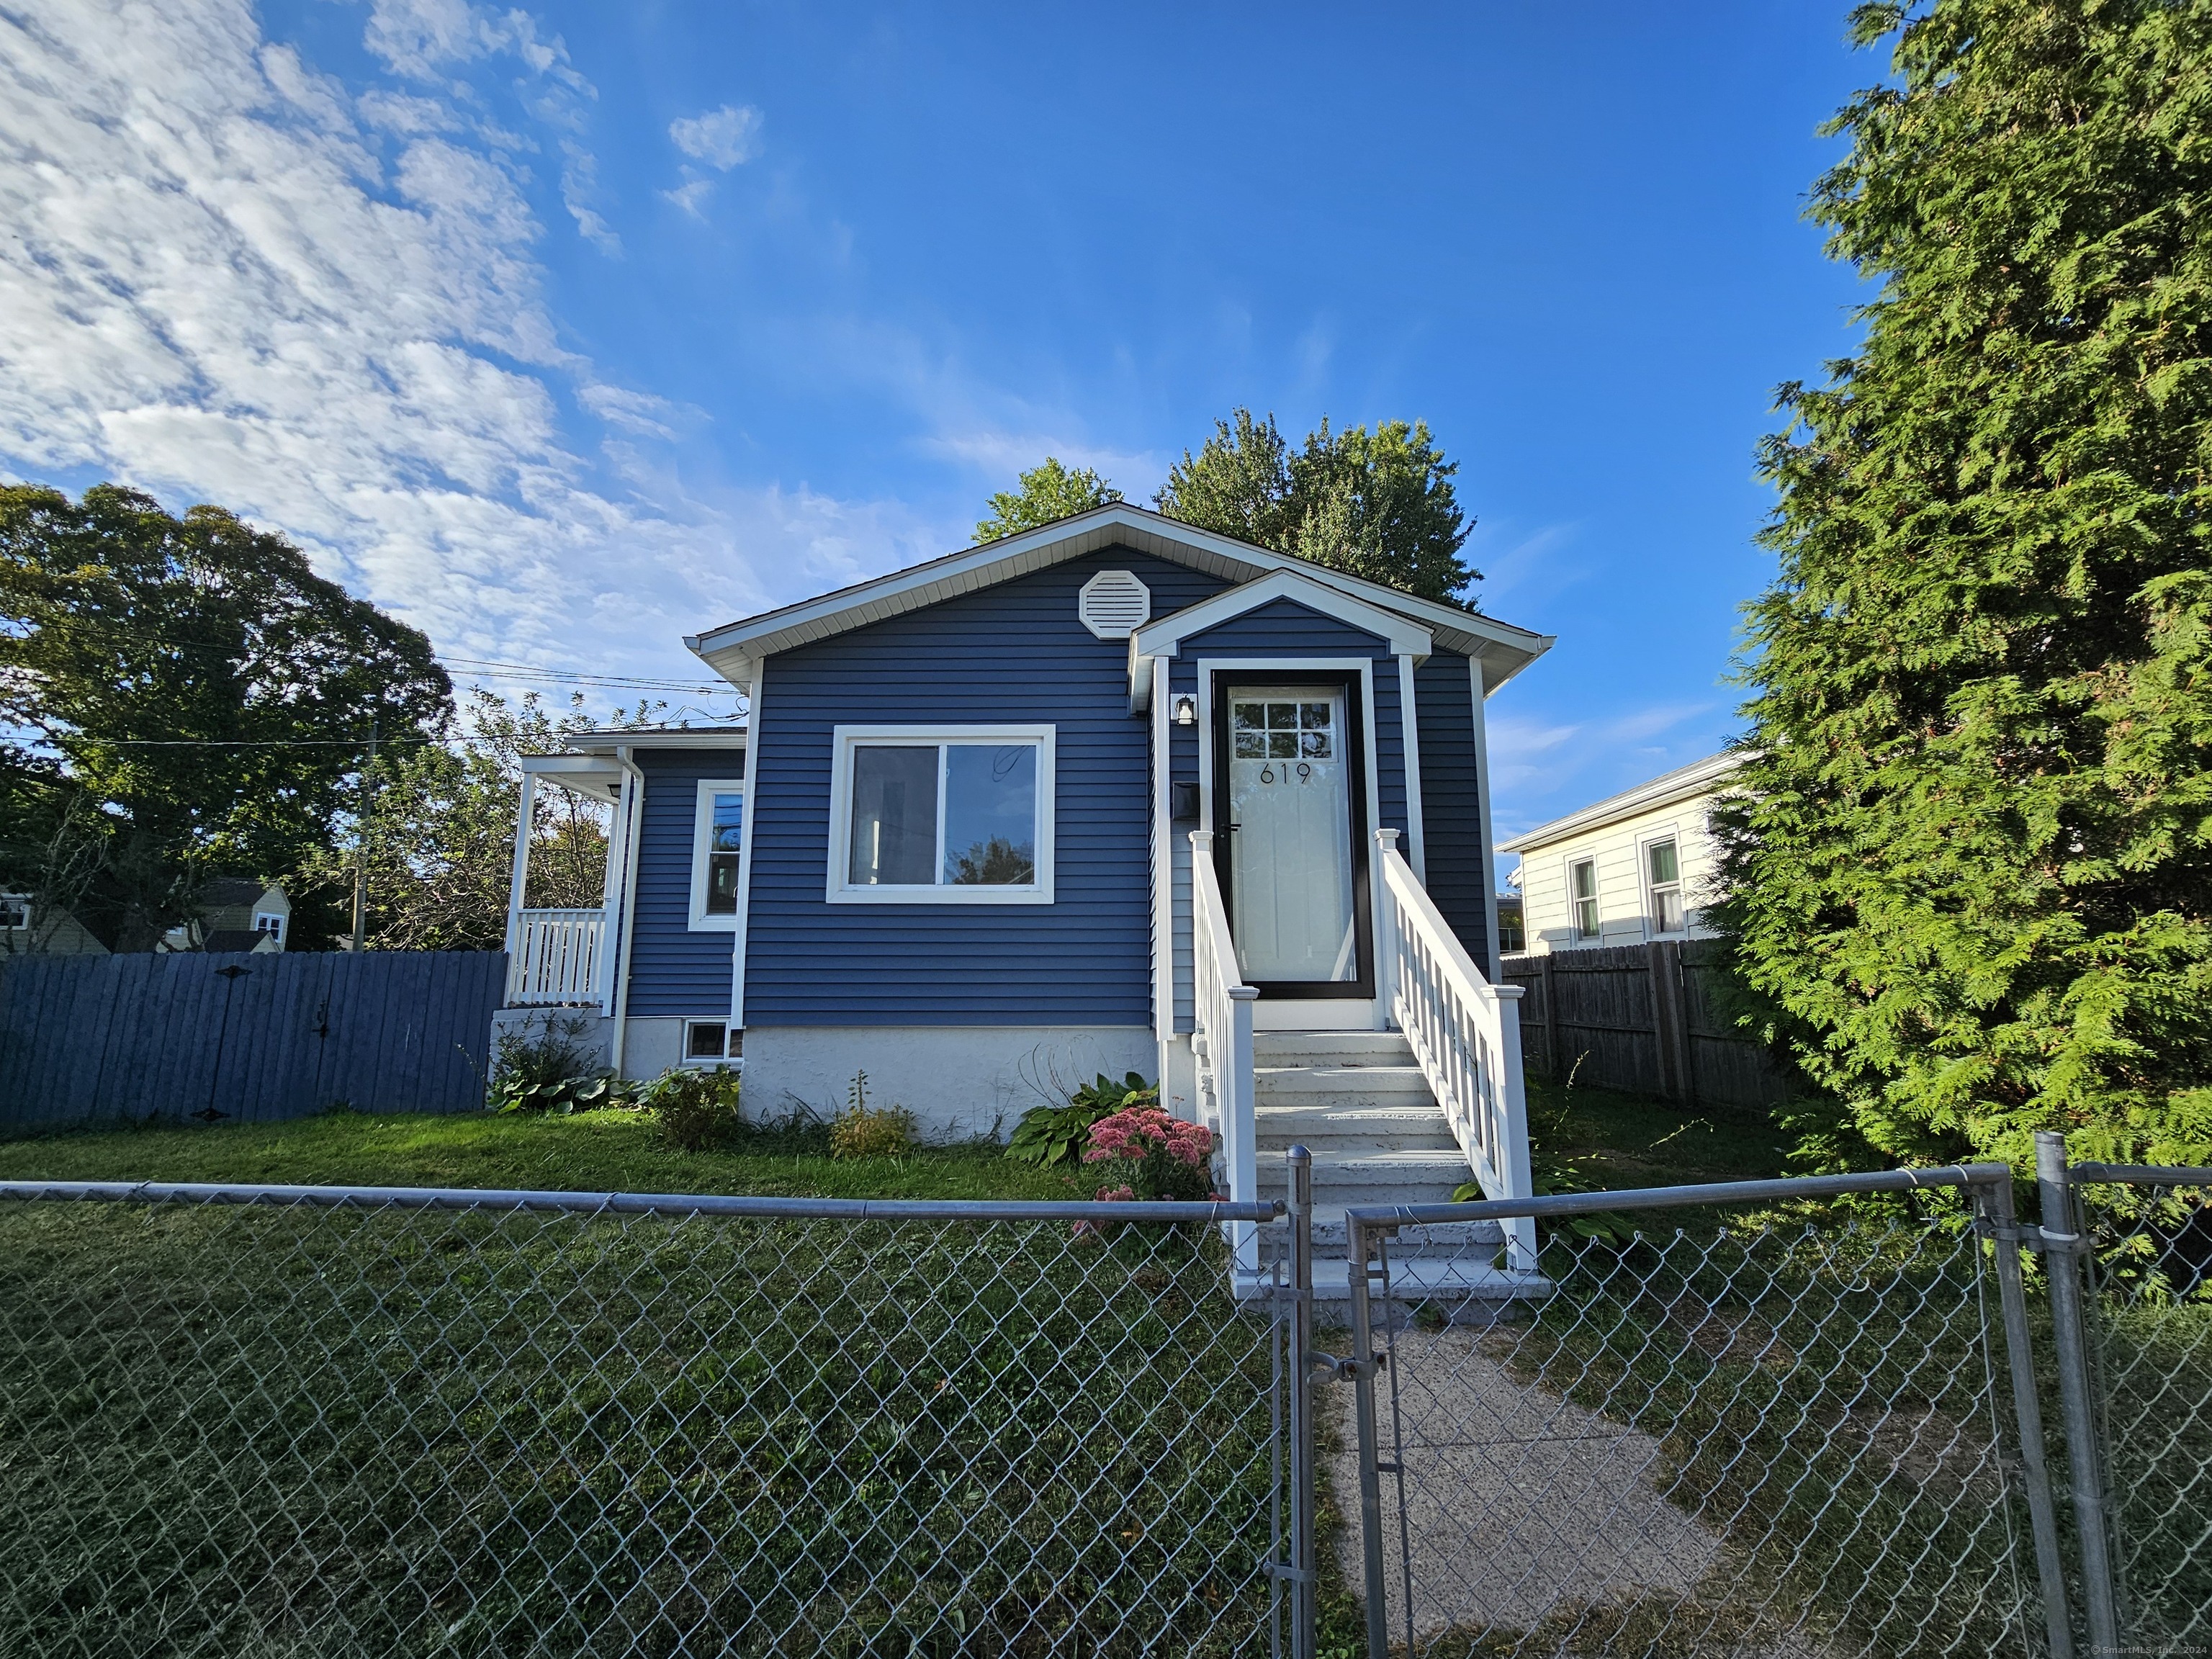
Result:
<point x="1290" y="778"/>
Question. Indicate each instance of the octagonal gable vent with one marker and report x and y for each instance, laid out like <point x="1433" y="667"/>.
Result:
<point x="1115" y="604"/>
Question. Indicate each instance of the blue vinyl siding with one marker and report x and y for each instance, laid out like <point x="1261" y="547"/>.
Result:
<point x="1451" y="800"/>
<point x="674" y="970"/>
<point x="1013" y="652"/>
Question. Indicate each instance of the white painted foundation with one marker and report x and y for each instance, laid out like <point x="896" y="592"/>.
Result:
<point x="957" y="1080"/>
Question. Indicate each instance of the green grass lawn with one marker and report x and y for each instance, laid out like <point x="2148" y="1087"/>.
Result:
<point x="592" y="1152"/>
<point x="1624" y="1140"/>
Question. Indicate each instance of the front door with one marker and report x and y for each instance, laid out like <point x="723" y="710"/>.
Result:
<point x="1291" y="850"/>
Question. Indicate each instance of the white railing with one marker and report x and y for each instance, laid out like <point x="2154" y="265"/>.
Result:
<point x="556" y="957"/>
<point x="1465" y="1034"/>
<point x="1223" y="1040"/>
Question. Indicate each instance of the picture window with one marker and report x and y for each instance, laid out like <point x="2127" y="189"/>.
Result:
<point x="958" y="815"/>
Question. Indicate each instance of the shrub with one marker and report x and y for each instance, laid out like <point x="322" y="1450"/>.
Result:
<point x="697" y="1109"/>
<point x="554" y="1069"/>
<point x="1141" y="1152"/>
<point x="1057" y="1134"/>
<point x="865" y="1131"/>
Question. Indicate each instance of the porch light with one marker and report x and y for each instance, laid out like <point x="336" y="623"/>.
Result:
<point x="1186" y="711"/>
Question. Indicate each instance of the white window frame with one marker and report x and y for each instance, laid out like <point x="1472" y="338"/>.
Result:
<point x="22" y="904"/>
<point x="1644" y="843"/>
<point x="703" y="835"/>
<point x="276" y="931"/>
<point x="845" y="738"/>
<point x="685" y="1057"/>
<point x="1574" y="899"/>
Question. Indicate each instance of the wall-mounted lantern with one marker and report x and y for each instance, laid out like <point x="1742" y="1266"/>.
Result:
<point x="1186" y="711"/>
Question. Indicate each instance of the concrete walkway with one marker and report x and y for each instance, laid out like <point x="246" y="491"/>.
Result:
<point x="1520" y="1505"/>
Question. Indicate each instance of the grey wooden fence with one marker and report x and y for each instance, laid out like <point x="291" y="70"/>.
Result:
<point x="1644" y="1018"/>
<point x="226" y="1038"/>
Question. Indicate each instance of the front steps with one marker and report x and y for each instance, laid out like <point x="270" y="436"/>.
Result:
<point x="1356" y="1101"/>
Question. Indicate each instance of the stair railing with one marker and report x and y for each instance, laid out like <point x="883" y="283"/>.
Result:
<point x="1466" y="1034"/>
<point x="1222" y="1042"/>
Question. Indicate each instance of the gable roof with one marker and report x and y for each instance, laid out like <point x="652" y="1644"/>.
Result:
<point x="1684" y="783"/>
<point x="735" y="650"/>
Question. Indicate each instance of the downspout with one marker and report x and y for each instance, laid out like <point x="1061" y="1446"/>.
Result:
<point x="634" y="790"/>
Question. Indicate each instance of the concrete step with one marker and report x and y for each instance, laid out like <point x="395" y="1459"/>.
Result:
<point x="1426" y="1175"/>
<point x="1341" y="1085"/>
<point x="1277" y="1128"/>
<point x="1331" y="1048"/>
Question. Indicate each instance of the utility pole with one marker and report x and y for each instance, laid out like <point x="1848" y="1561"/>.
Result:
<point x="360" y="849"/>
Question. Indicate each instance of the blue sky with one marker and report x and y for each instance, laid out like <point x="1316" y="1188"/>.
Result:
<point x="566" y="332"/>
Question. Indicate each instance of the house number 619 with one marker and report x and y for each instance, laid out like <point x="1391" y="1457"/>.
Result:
<point x="1268" y="774"/>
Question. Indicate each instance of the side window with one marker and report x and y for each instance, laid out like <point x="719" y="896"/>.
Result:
<point x="1582" y="885"/>
<point x="15" y="912"/>
<point x="717" y="839"/>
<point x="268" y="922"/>
<point x="1663" y="874"/>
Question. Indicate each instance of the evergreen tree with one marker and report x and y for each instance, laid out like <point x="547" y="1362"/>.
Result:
<point x="1378" y="504"/>
<point x="1044" y="493"/>
<point x="1974" y="869"/>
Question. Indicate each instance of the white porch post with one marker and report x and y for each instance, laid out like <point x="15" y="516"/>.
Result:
<point x="1521" y="1178"/>
<point x="514" y="893"/>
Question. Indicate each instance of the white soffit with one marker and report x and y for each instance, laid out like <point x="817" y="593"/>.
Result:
<point x="734" y="650"/>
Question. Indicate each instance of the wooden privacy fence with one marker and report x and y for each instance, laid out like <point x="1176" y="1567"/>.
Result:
<point x="227" y="1037"/>
<point x="1644" y="1018"/>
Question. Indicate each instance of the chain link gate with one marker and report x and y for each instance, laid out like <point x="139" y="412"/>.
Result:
<point x="1763" y="1434"/>
<point x="296" y="1421"/>
<point x="2130" y="1270"/>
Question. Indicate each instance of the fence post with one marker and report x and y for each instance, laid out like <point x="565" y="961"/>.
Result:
<point x="2065" y="1252"/>
<point x="2028" y="1412"/>
<point x="1370" y="1473"/>
<point x="1551" y="1019"/>
<point x="1303" y="1599"/>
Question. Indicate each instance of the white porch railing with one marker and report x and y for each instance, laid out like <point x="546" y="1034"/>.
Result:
<point x="556" y="957"/>
<point x="1222" y="1040"/>
<point x="1465" y="1034"/>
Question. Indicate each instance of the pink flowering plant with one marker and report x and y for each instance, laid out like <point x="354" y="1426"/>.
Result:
<point x="1143" y="1152"/>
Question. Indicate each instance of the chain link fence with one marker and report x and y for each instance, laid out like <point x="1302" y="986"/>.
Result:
<point x="1750" y="1432"/>
<point x="2145" y="1238"/>
<point x="1790" y="1418"/>
<point x="313" y="1422"/>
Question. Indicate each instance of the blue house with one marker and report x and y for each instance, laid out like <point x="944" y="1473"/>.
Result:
<point x="1115" y="794"/>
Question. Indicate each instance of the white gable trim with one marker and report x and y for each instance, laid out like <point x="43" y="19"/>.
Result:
<point x="1165" y="637"/>
<point x="731" y="650"/>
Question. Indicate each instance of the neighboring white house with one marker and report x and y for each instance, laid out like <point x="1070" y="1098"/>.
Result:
<point x="236" y="912"/>
<point x="1634" y="867"/>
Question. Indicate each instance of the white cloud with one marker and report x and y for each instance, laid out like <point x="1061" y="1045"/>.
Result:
<point x="225" y="278"/>
<point x="691" y="195"/>
<point x="723" y="138"/>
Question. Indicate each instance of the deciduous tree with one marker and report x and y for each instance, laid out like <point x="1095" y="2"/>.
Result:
<point x="1048" y="492"/>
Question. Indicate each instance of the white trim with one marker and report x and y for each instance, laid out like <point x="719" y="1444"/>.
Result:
<point x="703" y="824"/>
<point x="686" y="1059"/>
<point x="753" y="690"/>
<point x="1410" y="734"/>
<point x="1310" y="1010"/>
<point x="1482" y="808"/>
<point x="1165" y="637"/>
<point x="1698" y="778"/>
<point x="838" y="890"/>
<point x="1162" y="864"/>
<point x="1597" y="935"/>
<point x="632" y="807"/>
<point x="1645" y="840"/>
<point x="735" y="649"/>
<point x="521" y="878"/>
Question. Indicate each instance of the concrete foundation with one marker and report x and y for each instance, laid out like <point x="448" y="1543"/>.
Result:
<point x="957" y="1080"/>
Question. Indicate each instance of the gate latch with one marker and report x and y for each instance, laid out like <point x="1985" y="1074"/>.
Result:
<point x="1335" y="1370"/>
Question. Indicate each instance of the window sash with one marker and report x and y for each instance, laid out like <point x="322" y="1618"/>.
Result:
<point x="969" y="818"/>
<point x="711" y="862"/>
<point x="1582" y="881"/>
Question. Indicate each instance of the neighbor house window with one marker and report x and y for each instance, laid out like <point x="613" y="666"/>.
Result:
<point x="711" y="1040"/>
<point x="269" y="923"/>
<point x="15" y="912"/>
<point x="717" y="837"/>
<point x="941" y="815"/>
<point x="1581" y="884"/>
<point x="1663" y="870"/>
